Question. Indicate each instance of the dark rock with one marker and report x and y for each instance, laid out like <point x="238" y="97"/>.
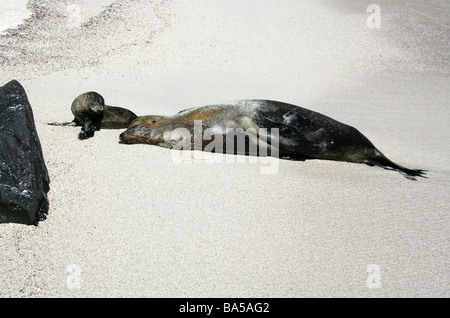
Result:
<point x="24" y="180"/>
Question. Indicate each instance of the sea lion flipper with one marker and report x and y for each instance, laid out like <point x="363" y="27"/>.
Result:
<point x="87" y="131"/>
<point x="72" y="123"/>
<point x="383" y="162"/>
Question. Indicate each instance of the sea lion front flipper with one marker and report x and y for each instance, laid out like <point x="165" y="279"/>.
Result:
<point x="87" y="131"/>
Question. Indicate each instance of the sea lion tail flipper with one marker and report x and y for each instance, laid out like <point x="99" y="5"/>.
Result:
<point x="67" y="123"/>
<point x="72" y="123"/>
<point x="382" y="161"/>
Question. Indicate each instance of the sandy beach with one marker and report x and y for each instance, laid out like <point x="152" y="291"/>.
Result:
<point x="129" y="221"/>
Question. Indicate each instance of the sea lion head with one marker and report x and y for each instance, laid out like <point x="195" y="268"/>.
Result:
<point x="87" y="104"/>
<point x="94" y="102"/>
<point x="136" y="135"/>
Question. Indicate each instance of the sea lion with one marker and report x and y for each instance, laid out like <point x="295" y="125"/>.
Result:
<point x="302" y="133"/>
<point x="92" y="114"/>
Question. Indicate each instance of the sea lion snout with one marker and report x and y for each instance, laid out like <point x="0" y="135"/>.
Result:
<point x="132" y="135"/>
<point x="96" y="108"/>
<point x="125" y="136"/>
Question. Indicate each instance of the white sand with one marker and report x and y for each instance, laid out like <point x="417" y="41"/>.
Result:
<point x="12" y="14"/>
<point x="129" y="221"/>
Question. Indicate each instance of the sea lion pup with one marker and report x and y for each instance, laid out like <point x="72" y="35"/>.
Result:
<point x="302" y="133"/>
<point x="92" y="114"/>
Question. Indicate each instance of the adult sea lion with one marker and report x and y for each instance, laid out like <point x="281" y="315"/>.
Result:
<point x="302" y="133"/>
<point x="92" y="114"/>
